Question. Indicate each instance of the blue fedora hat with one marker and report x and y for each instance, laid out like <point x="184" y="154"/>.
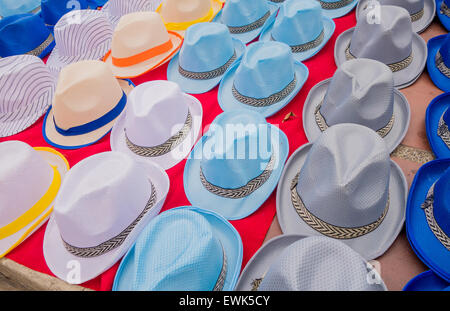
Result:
<point x="205" y="254"/>
<point x="208" y="51"/>
<point x="264" y="80"/>
<point x="25" y="34"/>
<point x="438" y="61"/>
<point x="236" y="165"/>
<point x="427" y="281"/>
<point x="437" y="122"/>
<point x="337" y="8"/>
<point x="53" y="10"/>
<point x="428" y="216"/>
<point x="245" y="18"/>
<point x="301" y="25"/>
<point x="13" y="7"/>
<point x="443" y="12"/>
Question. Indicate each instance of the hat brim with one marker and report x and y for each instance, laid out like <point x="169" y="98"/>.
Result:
<point x="434" y="112"/>
<point x="59" y="260"/>
<point x="419" y="26"/>
<point x="402" y="78"/>
<point x="193" y="86"/>
<point x="438" y="78"/>
<point x="427" y="281"/>
<point x="223" y="230"/>
<point x="371" y="245"/>
<point x="341" y="11"/>
<point x="55" y="139"/>
<point x="402" y="115"/>
<point x="261" y="261"/>
<point x="233" y="209"/>
<point x="424" y="243"/>
<point x="228" y="102"/>
<point x="148" y="65"/>
<point x="445" y="20"/>
<point x="246" y="37"/>
<point x="55" y="159"/>
<point x="328" y="29"/>
<point x="168" y="160"/>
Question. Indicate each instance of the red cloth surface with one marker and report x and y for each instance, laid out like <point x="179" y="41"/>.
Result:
<point x="253" y="228"/>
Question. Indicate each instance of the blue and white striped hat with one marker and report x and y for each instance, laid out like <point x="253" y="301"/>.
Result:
<point x="117" y="8"/>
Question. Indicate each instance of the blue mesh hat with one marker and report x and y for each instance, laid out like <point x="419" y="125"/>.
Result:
<point x="13" y="7"/>
<point x="53" y="10"/>
<point x="443" y="12"/>
<point x="428" y="216"/>
<point x="438" y="61"/>
<point x="183" y="249"/>
<point x="437" y="121"/>
<point x="25" y="34"/>
<point x="427" y="281"/>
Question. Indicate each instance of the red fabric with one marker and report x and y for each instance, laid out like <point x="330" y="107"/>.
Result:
<point x="253" y="228"/>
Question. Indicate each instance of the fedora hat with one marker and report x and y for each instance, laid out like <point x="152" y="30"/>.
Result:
<point x="25" y="34"/>
<point x="443" y="12"/>
<point x="337" y="8"/>
<point x="205" y="254"/>
<point x="115" y="9"/>
<point x="27" y="89"/>
<point x="301" y="25"/>
<point x="106" y="200"/>
<point x="141" y="43"/>
<point x="344" y="186"/>
<point x="53" y="10"/>
<point x="427" y="281"/>
<point x="245" y="18"/>
<point x="427" y="216"/>
<point x="179" y="15"/>
<point x="362" y="92"/>
<point x="160" y="124"/>
<point x="421" y="11"/>
<point x="37" y="174"/>
<point x="70" y="125"/>
<point x="264" y="80"/>
<point x="88" y="39"/>
<point x="389" y="40"/>
<point x="208" y="51"/>
<point x="236" y="165"/>
<point x="297" y="263"/>
<point x="13" y="7"/>
<point x="437" y="122"/>
<point x="438" y="61"/>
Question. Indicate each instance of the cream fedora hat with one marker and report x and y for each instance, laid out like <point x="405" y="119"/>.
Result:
<point x="30" y="179"/>
<point x="104" y="203"/>
<point x="141" y="43"/>
<point x="87" y="102"/>
<point x="161" y="124"/>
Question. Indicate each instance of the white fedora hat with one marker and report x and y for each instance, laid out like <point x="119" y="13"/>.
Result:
<point x="30" y="180"/>
<point x="26" y="92"/>
<point x="362" y="92"/>
<point x="344" y="186"/>
<point x="161" y="124"/>
<point x="118" y="8"/>
<point x="298" y="263"/>
<point x="104" y="203"/>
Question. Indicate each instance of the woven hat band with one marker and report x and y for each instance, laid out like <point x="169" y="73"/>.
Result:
<point x="247" y="28"/>
<point x="443" y="131"/>
<point x="308" y="45"/>
<point x="445" y="9"/>
<point x="334" y="5"/>
<point x="207" y="75"/>
<point x="38" y="50"/>
<point x="441" y="65"/>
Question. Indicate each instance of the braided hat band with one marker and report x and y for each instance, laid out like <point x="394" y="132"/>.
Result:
<point x="445" y="9"/>
<point x="247" y="28"/>
<point x="441" y="65"/>
<point x="443" y="131"/>
<point x="334" y="5"/>
<point x="113" y="243"/>
<point x="38" y="50"/>
<point x="306" y="46"/>
<point x="207" y="75"/>
<point x="223" y="274"/>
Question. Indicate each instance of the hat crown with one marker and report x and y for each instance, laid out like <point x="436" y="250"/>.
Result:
<point x="138" y="32"/>
<point x="412" y="6"/>
<point x="156" y="107"/>
<point x="100" y="197"/>
<point x="265" y="69"/>
<point x="445" y="51"/>
<point x="361" y="91"/>
<point x="345" y="178"/>
<point x="23" y="171"/>
<point x="53" y="10"/>
<point x="193" y="261"/>
<point x="206" y="46"/>
<point x="389" y="41"/>
<point x="441" y="204"/>
<point x="12" y="7"/>
<point x="298" y="22"/>
<point x="79" y="32"/>
<point x="120" y="7"/>
<point x="85" y="91"/>
<point x="174" y="11"/>
<point x="318" y="264"/>
<point x="239" y="144"/>
<point x="238" y="13"/>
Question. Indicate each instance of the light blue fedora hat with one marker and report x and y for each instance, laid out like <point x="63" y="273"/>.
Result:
<point x="245" y="18"/>
<point x="236" y="165"/>
<point x="428" y="216"/>
<point x="437" y="122"/>
<point x="302" y="26"/>
<point x="335" y="9"/>
<point x="183" y="249"/>
<point x="13" y="7"/>
<point x="443" y="12"/>
<point x="427" y="281"/>
<point x="265" y="80"/>
<point x="208" y="51"/>
<point x="438" y="61"/>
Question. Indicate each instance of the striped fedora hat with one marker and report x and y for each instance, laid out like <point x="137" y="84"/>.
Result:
<point x="26" y="91"/>
<point x="118" y="8"/>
